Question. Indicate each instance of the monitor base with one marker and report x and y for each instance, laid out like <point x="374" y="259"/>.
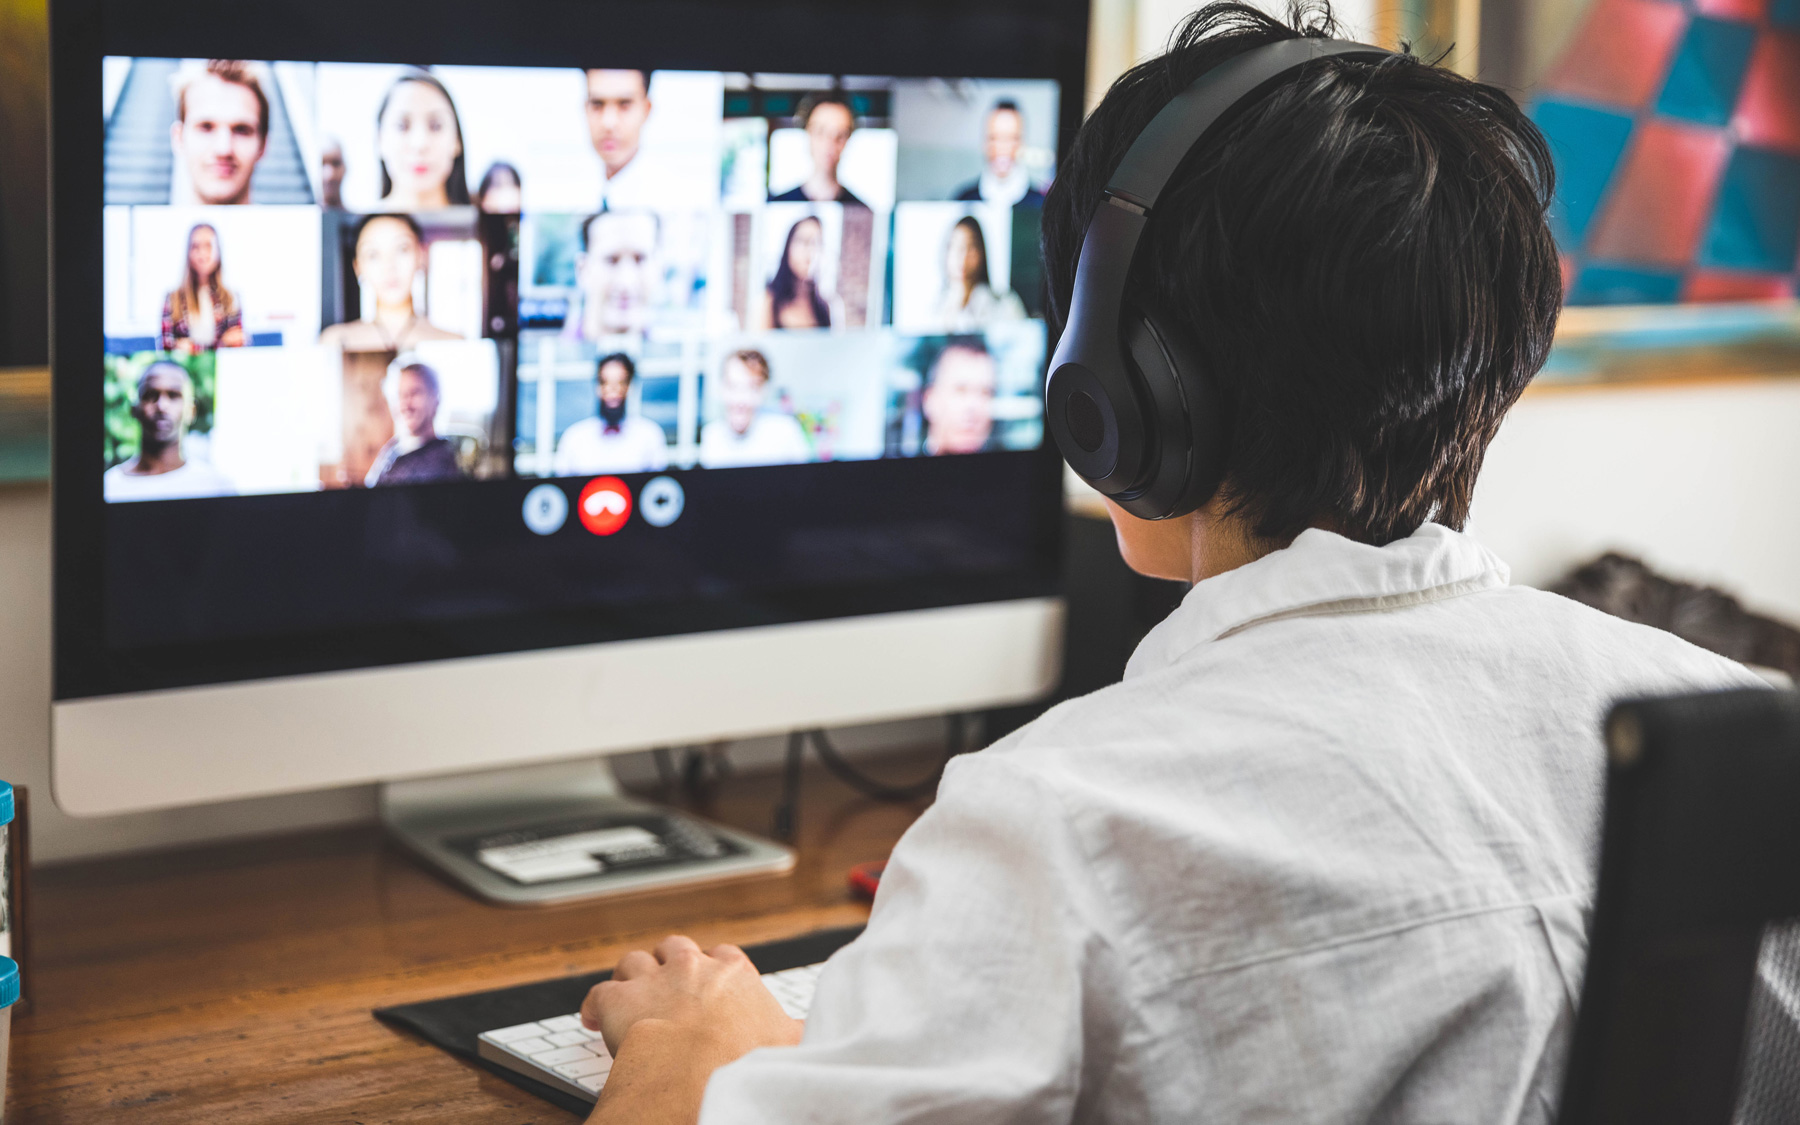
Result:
<point x="537" y="835"/>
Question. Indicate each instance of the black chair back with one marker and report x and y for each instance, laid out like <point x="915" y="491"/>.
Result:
<point x="1690" y="1011"/>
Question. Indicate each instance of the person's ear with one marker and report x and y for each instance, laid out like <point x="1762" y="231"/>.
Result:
<point x="175" y="136"/>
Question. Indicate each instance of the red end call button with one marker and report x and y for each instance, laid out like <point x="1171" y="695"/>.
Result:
<point x="605" y="505"/>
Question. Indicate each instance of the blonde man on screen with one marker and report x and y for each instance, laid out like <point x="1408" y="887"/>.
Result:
<point x="221" y="130"/>
<point x="748" y="434"/>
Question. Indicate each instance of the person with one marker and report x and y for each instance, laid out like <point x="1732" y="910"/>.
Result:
<point x="969" y="301"/>
<point x="415" y="454"/>
<point x="1326" y="853"/>
<point x="389" y="256"/>
<point x="828" y="120"/>
<point x="746" y="434"/>
<point x="617" y="274"/>
<point x="1003" y="180"/>
<point x="792" y="299"/>
<point x="614" y="441"/>
<point x="202" y="314"/>
<point x="164" y="410"/>
<point x="221" y="130"/>
<point x="500" y="193"/>
<point x="419" y="139"/>
<point x="618" y="106"/>
<point x="331" y="174"/>
<point x="958" y="403"/>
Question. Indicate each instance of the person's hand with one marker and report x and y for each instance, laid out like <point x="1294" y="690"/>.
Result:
<point x="233" y="338"/>
<point x="714" y="1000"/>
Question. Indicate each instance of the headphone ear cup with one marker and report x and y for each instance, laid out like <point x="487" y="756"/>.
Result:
<point x="1187" y="415"/>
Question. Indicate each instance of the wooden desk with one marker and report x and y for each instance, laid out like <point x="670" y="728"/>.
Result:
<point x="233" y="984"/>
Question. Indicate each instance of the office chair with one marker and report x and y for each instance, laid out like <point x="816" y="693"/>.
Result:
<point x="1690" y="1012"/>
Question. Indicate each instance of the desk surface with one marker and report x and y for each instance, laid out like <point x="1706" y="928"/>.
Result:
<point x="233" y="984"/>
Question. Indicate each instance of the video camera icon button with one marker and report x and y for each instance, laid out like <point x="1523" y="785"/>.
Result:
<point x="604" y="506"/>
<point x="546" y="509"/>
<point x="661" y="501"/>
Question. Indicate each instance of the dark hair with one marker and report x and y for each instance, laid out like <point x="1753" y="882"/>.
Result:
<point x="1006" y="105"/>
<point x="490" y="178"/>
<point x="785" y="288"/>
<point x="967" y="343"/>
<point x="1360" y="259"/>
<point x="973" y="225"/>
<point x="158" y="364"/>
<point x="620" y="358"/>
<point x="412" y="224"/>
<point x="818" y="98"/>
<point x="457" y="186"/>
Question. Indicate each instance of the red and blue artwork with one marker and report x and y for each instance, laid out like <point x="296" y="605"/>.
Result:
<point x="1676" y="132"/>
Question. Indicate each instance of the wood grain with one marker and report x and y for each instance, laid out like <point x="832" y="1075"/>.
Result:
<point x="233" y="984"/>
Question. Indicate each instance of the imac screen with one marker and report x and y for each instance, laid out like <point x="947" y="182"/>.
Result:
<point x="459" y="359"/>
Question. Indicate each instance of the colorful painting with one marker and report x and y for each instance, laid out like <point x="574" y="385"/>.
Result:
<point x="1676" y="132"/>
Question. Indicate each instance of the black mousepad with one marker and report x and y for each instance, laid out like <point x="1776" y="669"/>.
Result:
<point x="454" y="1022"/>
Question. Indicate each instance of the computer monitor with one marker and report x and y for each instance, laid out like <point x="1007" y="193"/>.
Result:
<point x="446" y="388"/>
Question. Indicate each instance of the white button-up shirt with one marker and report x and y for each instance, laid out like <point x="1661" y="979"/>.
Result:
<point x="1325" y="855"/>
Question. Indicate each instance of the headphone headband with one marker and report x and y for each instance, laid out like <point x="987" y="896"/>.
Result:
<point x="1131" y="411"/>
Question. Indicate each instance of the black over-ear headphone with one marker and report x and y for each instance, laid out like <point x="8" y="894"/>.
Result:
<point x="1129" y="405"/>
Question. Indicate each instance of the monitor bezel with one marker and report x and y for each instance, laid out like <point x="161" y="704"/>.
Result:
<point x="901" y="38"/>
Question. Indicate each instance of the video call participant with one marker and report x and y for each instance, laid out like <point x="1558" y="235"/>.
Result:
<point x="390" y="255"/>
<point x="419" y="138"/>
<point x="331" y="174"/>
<point x="618" y="275"/>
<point x="618" y="105"/>
<point x="828" y="120"/>
<point x="1326" y="854"/>
<point x="748" y="434"/>
<point x="221" y="130"/>
<point x="792" y="299"/>
<point x="202" y="314"/>
<point x="415" y="454"/>
<point x="164" y="410"/>
<point x="500" y="193"/>
<point x="969" y="301"/>
<point x="1004" y="180"/>
<point x="614" y="441"/>
<point x="958" y="403"/>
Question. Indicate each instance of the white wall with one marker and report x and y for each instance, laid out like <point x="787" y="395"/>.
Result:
<point x="1701" y="481"/>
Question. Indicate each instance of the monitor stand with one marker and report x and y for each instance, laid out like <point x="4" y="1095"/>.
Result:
<point x="536" y="835"/>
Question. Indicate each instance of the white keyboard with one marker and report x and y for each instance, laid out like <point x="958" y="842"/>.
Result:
<point x="561" y="1053"/>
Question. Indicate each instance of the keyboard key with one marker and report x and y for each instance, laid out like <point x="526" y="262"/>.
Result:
<point x="569" y="1038"/>
<point x="562" y="1023"/>
<point x="531" y="1046"/>
<point x="561" y="1055"/>
<point x="592" y="1082"/>
<point x="516" y="1032"/>
<point x="583" y="1067"/>
<point x="598" y="1046"/>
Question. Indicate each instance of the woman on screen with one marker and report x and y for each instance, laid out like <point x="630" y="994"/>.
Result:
<point x="793" y="299"/>
<point x="500" y="192"/>
<point x="419" y="138"/>
<point x="202" y="314"/>
<point x="969" y="302"/>
<point x="390" y="255"/>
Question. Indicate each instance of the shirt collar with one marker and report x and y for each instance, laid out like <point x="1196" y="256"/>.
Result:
<point x="1322" y="572"/>
<point x="1010" y="189"/>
